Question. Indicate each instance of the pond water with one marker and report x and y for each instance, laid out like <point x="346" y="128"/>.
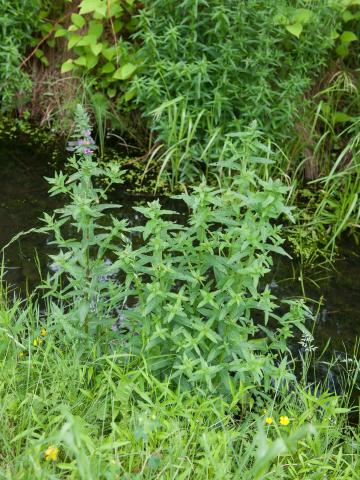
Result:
<point x="23" y="198"/>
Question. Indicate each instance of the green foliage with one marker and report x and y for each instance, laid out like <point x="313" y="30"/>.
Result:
<point x="110" y="422"/>
<point x="98" y="38"/>
<point x="345" y="33"/>
<point x="18" y="20"/>
<point x="234" y="62"/>
<point x="201" y="315"/>
<point x="82" y="261"/>
<point x="190" y="296"/>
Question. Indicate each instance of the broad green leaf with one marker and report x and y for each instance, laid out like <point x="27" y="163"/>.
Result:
<point x="347" y="37"/>
<point x="74" y="39"/>
<point x="118" y="25"/>
<point x="347" y="16"/>
<point x="302" y="16"/>
<point x="96" y="29"/>
<point x="129" y="95"/>
<point x="91" y="61"/>
<point x="125" y="71"/>
<point x="81" y="61"/>
<point x="78" y="20"/>
<point x="67" y="66"/>
<point x="108" y="68"/>
<point x="115" y="9"/>
<point x="343" y="50"/>
<point x="61" y="32"/>
<point x="88" y="6"/>
<point x="111" y="92"/>
<point x="295" y="29"/>
<point x="341" y="117"/>
<point x="109" y="53"/>
<point x="87" y="40"/>
<point x="96" y="48"/>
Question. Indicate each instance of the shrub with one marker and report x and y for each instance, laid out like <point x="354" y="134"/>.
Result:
<point x="18" y="20"/>
<point x="190" y="299"/>
<point x="233" y="61"/>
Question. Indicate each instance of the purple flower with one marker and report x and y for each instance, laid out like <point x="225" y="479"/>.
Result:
<point x="87" y="151"/>
<point x="87" y="133"/>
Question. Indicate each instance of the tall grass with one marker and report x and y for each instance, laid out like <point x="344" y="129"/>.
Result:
<point x="187" y="383"/>
<point x="111" y="421"/>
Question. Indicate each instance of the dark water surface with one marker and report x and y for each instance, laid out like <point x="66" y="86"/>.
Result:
<point x="23" y="199"/>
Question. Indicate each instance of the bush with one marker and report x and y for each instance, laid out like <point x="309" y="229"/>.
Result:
<point x="18" y="20"/>
<point x="190" y="300"/>
<point x="233" y="61"/>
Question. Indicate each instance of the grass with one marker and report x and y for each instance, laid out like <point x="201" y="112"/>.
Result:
<point x="109" y="418"/>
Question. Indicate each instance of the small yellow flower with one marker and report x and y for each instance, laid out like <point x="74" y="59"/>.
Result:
<point x="284" y="420"/>
<point x="51" y="454"/>
<point x="269" y="420"/>
<point x="37" y="342"/>
<point x="43" y="332"/>
<point x="21" y="354"/>
<point x="264" y="411"/>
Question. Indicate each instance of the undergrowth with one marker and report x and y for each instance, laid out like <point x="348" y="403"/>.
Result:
<point x="165" y="360"/>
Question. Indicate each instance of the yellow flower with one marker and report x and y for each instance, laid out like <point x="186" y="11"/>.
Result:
<point x="37" y="342"/>
<point x="269" y="420"/>
<point x="21" y="354"/>
<point x="51" y="454"/>
<point x="284" y="420"/>
<point x="43" y="332"/>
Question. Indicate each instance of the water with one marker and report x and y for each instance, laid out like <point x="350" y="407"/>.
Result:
<point x="23" y="199"/>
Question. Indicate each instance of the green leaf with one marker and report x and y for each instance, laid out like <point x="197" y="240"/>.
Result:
<point x="116" y="10"/>
<point x="125" y="71"/>
<point x="129" y="95"/>
<point x="73" y="40"/>
<point x="111" y="92"/>
<point x="341" y="117"/>
<point x="39" y="53"/>
<point x="295" y="29"/>
<point x="61" y="32"/>
<point x="108" y="53"/>
<point x="96" y="48"/>
<point x="67" y="66"/>
<point x="347" y="37"/>
<point x="108" y="68"/>
<point x="347" y="16"/>
<point x="87" y="40"/>
<point x="343" y="50"/>
<point x="91" y="61"/>
<point x="99" y="7"/>
<point x="302" y="16"/>
<point x="96" y="29"/>
<point x="81" y="61"/>
<point x="78" y="20"/>
<point x="118" y="25"/>
<point x="88" y="6"/>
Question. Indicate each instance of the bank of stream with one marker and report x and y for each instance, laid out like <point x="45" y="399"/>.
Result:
<point x="23" y="199"/>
